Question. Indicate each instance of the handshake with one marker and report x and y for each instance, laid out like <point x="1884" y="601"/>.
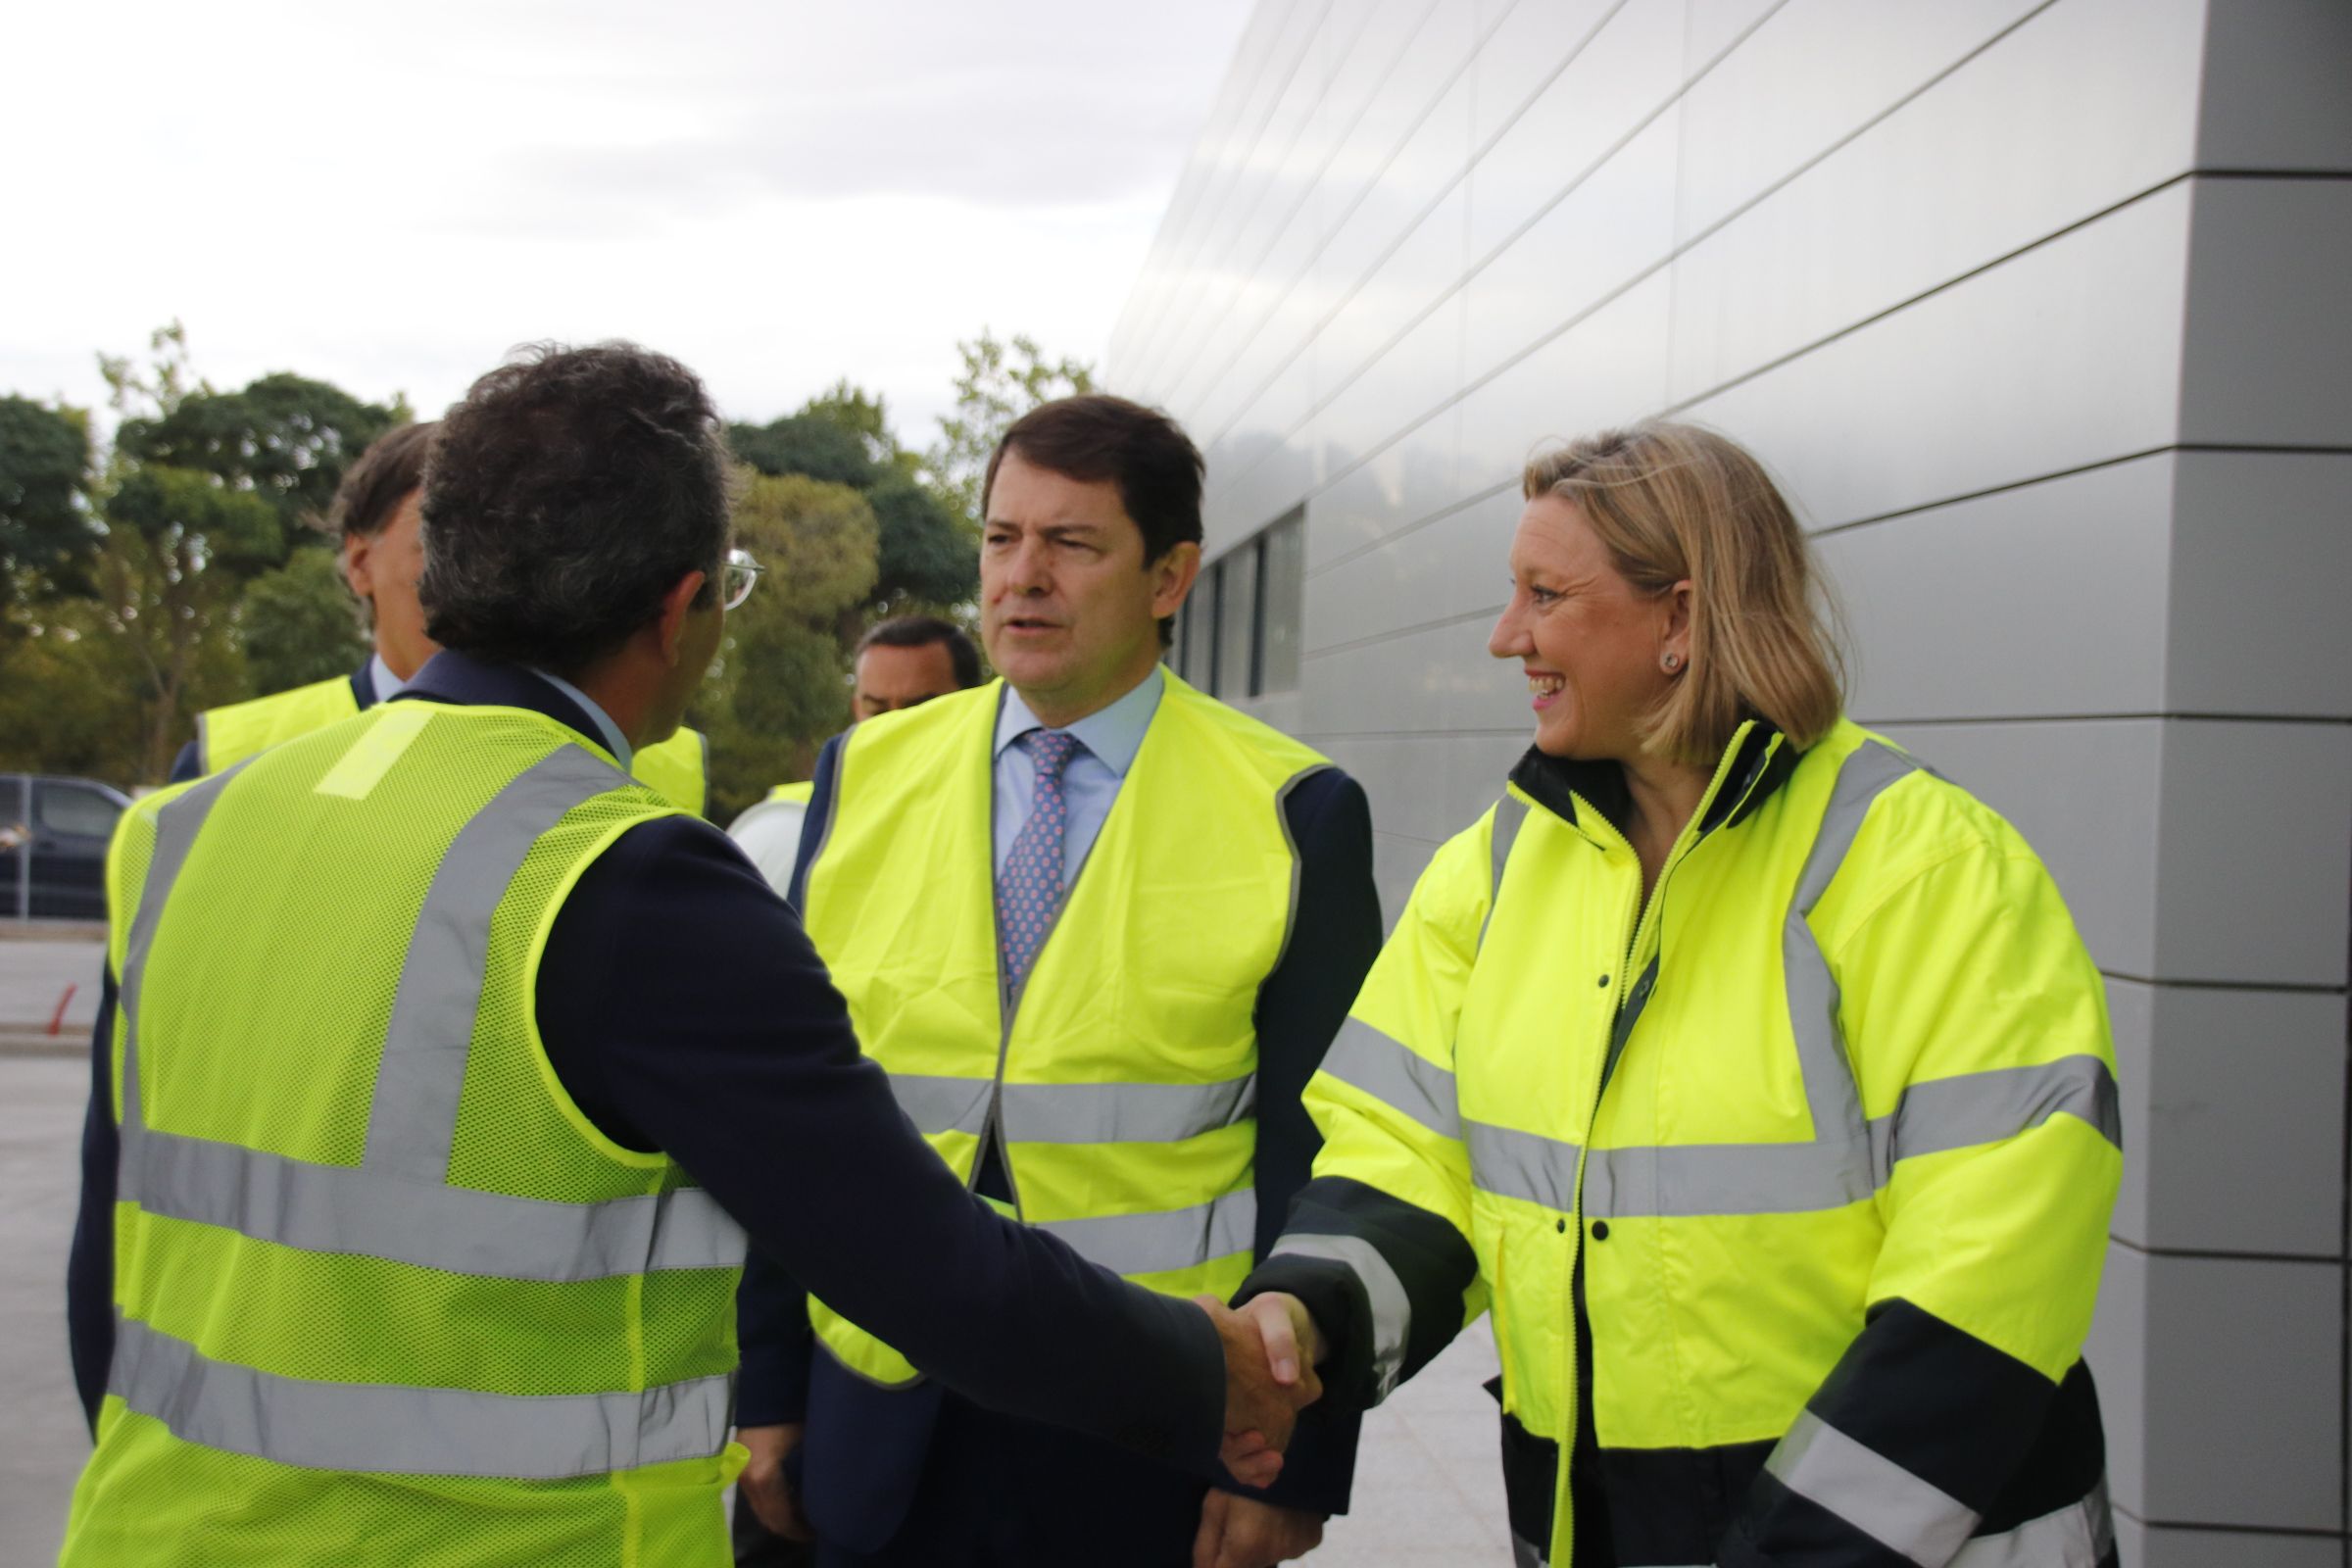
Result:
<point x="1271" y="1347"/>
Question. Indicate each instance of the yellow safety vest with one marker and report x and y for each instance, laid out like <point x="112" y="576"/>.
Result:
<point x="679" y="766"/>
<point x="383" y="1293"/>
<point x="799" y="793"/>
<point x="1122" y="1072"/>
<point x="1851" y="1050"/>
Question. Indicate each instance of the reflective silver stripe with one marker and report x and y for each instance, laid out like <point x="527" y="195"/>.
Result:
<point x="1510" y="814"/>
<point x="1077" y="1113"/>
<point x="1525" y="1553"/>
<point x="2077" y="1536"/>
<point x="1391" y="1308"/>
<point x="1830" y="1093"/>
<point x="1395" y="1074"/>
<point x="1169" y="1239"/>
<point x="412" y="1431"/>
<point x="1281" y="820"/>
<point x="1986" y="1108"/>
<point x="943" y="1105"/>
<point x="1686" y="1179"/>
<point x="176" y="827"/>
<point x="347" y="1210"/>
<point x="1944" y="1113"/>
<point x="1510" y="1164"/>
<point x="414" y="1119"/>
<point x="1871" y="1492"/>
<point x="1124" y="1113"/>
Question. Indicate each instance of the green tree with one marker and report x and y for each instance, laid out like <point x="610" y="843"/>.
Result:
<point x="205" y="491"/>
<point x="780" y="685"/>
<point x="47" y="535"/>
<point x="810" y="443"/>
<point x="301" y="624"/>
<point x="999" y="383"/>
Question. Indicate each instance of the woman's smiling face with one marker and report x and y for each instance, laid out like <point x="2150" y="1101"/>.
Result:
<point x="1591" y="642"/>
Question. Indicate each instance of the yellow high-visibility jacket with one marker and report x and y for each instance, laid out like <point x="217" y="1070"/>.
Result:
<point x="1121" y="1073"/>
<point x="679" y="766"/>
<point x="1818" y="1138"/>
<point x="383" y="1293"/>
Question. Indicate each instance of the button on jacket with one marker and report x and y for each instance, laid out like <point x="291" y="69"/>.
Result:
<point x="1788" y="1187"/>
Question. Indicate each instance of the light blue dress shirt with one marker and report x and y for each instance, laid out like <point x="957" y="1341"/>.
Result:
<point x="615" y="740"/>
<point x="380" y="675"/>
<point x="1108" y="742"/>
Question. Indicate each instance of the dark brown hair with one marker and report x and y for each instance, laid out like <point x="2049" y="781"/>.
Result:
<point x="388" y="472"/>
<point x="569" y="492"/>
<point x="1098" y="437"/>
<point x="923" y="631"/>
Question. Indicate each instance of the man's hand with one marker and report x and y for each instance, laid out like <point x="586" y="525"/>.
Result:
<point x="763" y="1485"/>
<point x="1244" y="1533"/>
<point x="1289" y="1330"/>
<point x="1263" y="1392"/>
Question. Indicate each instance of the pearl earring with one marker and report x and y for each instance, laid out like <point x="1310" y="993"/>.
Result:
<point x="1672" y="663"/>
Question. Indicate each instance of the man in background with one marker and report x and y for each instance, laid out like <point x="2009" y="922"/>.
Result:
<point x="898" y="663"/>
<point x="377" y="514"/>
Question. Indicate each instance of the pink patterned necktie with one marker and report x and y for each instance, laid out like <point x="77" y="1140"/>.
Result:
<point x="1029" y="888"/>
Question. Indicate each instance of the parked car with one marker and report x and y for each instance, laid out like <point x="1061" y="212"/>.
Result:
<point x="53" y="835"/>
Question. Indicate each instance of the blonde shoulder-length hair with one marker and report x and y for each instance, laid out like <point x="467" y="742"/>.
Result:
<point x="1676" y="501"/>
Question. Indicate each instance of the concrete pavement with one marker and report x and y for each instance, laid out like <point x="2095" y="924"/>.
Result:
<point x="37" y="973"/>
<point x="1427" y="1483"/>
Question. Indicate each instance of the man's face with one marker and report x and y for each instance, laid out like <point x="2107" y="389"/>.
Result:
<point x="383" y="571"/>
<point x="891" y="678"/>
<point x="1069" y="610"/>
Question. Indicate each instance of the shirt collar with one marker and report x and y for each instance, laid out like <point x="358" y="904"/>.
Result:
<point x="1112" y="735"/>
<point x="614" y="742"/>
<point x="380" y="675"/>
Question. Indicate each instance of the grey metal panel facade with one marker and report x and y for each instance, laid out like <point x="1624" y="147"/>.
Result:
<point x="2038" y="309"/>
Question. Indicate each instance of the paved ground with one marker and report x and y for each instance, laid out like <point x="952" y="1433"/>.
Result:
<point x="43" y="1442"/>
<point x="35" y="973"/>
<point x="1428" y="1488"/>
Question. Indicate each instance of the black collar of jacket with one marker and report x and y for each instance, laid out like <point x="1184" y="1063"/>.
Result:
<point x="466" y="681"/>
<point x="1758" y="768"/>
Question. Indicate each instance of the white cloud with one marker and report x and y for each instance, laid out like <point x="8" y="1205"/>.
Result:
<point x="778" y="193"/>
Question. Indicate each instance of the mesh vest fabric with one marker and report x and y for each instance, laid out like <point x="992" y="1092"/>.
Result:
<point x="1122" y="1071"/>
<point x="1732" y="1194"/>
<point x="678" y="767"/>
<point x="384" y="1292"/>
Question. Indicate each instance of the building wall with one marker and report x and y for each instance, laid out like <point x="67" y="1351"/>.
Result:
<point x="2039" y="311"/>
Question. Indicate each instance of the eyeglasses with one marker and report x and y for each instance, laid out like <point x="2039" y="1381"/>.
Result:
<point x="737" y="577"/>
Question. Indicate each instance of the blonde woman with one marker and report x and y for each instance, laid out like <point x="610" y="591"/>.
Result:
<point x="1754" y="1077"/>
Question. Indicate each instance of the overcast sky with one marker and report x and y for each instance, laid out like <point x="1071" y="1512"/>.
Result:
<point x="778" y="192"/>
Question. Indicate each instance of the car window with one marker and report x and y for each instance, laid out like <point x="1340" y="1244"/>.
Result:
<point x="74" y="809"/>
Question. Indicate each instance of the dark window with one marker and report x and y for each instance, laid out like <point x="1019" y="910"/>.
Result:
<point x="75" y="811"/>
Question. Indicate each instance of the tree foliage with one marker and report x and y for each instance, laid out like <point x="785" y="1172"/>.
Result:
<point x="177" y="566"/>
<point x="779" y="687"/>
<point x="301" y="624"/>
<point x="999" y="382"/>
<point x="47" y="534"/>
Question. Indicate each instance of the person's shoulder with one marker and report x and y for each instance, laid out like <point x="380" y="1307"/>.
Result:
<point x="941" y="722"/>
<point x="1282" y="756"/>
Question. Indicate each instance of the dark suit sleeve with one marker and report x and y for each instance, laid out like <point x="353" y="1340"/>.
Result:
<point x="684" y="1009"/>
<point x="1335" y="935"/>
<point x="90" y="1262"/>
<point x="188" y="764"/>
<point x="771" y="1309"/>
